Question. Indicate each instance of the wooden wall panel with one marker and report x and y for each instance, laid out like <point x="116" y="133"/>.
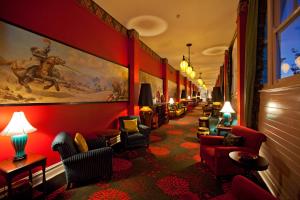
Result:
<point x="279" y="119"/>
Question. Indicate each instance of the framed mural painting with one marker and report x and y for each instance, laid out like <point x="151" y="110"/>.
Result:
<point x="37" y="70"/>
<point x="172" y="89"/>
<point x="156" y="84"/>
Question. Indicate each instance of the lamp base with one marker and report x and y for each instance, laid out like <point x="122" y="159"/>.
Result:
<point x="227" y="119"/>
<point x="19" y="142"/>
<point x="19" y="158"/>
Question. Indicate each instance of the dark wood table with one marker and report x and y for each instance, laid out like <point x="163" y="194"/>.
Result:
<point x="248" y="161"/>
<point x="221" y="127"/>
<point x="112" y="136"/>
<point x="9" y="169"/>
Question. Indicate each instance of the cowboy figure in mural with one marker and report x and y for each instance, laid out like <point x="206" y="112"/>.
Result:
<point x="40" y="54"/>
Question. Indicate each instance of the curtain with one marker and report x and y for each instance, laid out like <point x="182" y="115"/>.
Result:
<point x="253" y="57"/>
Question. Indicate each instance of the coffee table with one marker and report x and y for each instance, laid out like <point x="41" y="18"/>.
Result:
<point x="248" y="161"/>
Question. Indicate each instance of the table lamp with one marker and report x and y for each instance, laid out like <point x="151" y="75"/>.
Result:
<point x="183" y="94"/>
<point x="145" y="98"/>
<point x="145" y="101"/>
<point x="17" y="128"/>
<point x="227" y="110"/>
<point x="171" y="101"/>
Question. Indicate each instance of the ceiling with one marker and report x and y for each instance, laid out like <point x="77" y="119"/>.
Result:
<point x="166" y="26"/>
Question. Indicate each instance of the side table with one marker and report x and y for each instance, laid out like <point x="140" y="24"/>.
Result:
<point x="112" y="136"/>
<point x="248" y="161"/>
<point x="9" y="169"/>
<point x="203" y="121"/>
<point x="221" y="127"/>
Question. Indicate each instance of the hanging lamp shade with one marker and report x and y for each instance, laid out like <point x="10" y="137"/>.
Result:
<point x="200" y="81"/>
<point x="189" y="70"/>
<point x="193" y="74"/>
<point x="183" y="65"/>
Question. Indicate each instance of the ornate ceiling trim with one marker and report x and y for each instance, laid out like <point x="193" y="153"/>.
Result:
<point x="103" y="15"/>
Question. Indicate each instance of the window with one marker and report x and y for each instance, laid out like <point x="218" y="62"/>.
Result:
<point x="289" y="49"/>
<point x="286" y="31"/>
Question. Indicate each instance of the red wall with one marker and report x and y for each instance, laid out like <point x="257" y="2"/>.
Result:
<point x="150" y="64"/>
<point x="70" y="23"/>
<point x="171" y="73"/>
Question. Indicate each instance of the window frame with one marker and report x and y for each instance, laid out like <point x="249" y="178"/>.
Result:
<point x="275" y="27"/>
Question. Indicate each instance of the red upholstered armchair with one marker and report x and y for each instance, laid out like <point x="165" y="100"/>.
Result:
<point x="215" y="154"/>
<point x="243" y="188"/>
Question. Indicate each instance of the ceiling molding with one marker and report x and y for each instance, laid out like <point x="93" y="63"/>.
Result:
<point x="92" y="7"/>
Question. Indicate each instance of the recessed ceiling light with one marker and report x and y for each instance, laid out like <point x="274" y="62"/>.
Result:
<point x="214" y="51"/>
<point x="147" y="25"/>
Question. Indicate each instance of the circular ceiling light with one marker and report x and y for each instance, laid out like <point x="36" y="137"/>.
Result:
<point x="147" y="25"/>
<point x="214" y="51"/>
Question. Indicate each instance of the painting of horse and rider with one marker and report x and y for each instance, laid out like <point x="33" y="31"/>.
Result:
<point x="35" y="69"/>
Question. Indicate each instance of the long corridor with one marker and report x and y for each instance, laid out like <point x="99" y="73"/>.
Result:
<point x="169" y="169"/>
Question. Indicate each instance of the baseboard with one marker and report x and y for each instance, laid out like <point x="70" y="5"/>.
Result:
<point x="51" y="172"/>
<point x="37" y="177"/>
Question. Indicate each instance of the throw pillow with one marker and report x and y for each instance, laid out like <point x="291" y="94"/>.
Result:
<point x="131" y="125"/>
<point x="81" y="143"/>
<point x="233" y="140"/>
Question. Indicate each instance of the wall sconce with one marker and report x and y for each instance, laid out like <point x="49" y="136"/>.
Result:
<point x="17" y="128"/>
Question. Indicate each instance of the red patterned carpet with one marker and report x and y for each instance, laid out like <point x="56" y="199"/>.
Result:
<point x="169" y="169"/>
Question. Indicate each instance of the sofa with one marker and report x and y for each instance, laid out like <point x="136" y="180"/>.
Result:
<point x="83" y="166"/>
<point x="244" y="189"/>
<point x="177" y="109"/>
<point x="215" y="154"/>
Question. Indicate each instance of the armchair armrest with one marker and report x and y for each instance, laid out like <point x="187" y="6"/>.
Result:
<point x="145" y="130"/>
<point x="243" y="187"/>
<point x="211" y="140"/>
<point x="96" y="143"/>
<point x="88" y="158"/>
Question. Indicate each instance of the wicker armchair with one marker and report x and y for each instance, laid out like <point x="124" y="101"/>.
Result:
<point x="81" y="167"/>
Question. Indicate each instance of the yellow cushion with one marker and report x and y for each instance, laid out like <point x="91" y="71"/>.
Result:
<point x="81" y="143"/>
<point x="216" y="103"/>
<point x="131" y="125"/>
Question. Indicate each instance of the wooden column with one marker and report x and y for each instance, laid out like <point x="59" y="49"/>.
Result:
<point x="165" y="78"/>
<point x="225" y="89"/>
<point x="178" y="84"/>
<point x="241" y="41"/>
<point x="134" y="57"/>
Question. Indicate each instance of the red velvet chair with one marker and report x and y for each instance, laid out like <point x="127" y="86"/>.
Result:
<point x="215" y="154"/>
<point x="244" y="189"/>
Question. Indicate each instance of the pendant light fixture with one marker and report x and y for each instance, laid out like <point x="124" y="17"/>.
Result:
<point x="186" y="67"/>
<point x="200" y="81"/>
<point x="183" y="65"/>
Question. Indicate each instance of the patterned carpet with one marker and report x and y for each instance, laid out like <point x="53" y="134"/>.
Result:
<point x="169" y="169"/>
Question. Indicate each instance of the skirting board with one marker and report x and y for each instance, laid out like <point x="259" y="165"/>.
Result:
<point x="51" y="172"/>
